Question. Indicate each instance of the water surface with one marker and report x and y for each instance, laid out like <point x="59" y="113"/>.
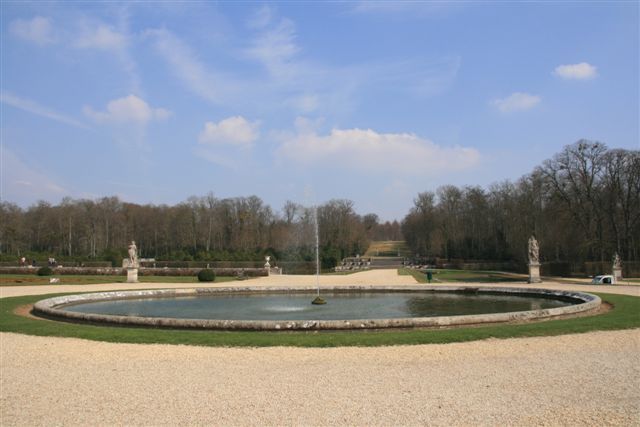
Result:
<point x="348" y="306"/>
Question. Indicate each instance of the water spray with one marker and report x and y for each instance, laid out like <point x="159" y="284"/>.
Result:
<point x="318" y="300"/>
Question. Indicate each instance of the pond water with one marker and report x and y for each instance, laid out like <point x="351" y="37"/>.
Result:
<point x="340" y="306"/>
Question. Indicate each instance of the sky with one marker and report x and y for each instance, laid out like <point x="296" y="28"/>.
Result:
<point x="374" y="102"/>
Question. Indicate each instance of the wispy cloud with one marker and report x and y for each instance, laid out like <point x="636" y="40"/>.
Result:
<point x="83" y="33"/>
<point x="581" y="71"/>
<point x="129" y="109"/>
<point x="421" y="77"/>
<point x="275" y="48"/>
<point x="409" y="9"/>
<point x="517" y="101"/>
<point x="290" y="77"/>
<point x="212" y="86"/>
<point x="115" y="39"/>
<point x="260" y="18"/>
<point x="39" y="110"/>
<point x="38" y="30"/>
<point x="24" y="184"/>
<point x="368" y="151"/>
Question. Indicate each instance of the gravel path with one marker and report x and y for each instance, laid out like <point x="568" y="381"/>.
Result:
<point x="586" y="379"/>
<point x="590" y="379"/>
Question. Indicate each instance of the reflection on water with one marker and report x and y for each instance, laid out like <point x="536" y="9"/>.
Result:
<point x="371" y="305"/>
<point x="442" y="304"/>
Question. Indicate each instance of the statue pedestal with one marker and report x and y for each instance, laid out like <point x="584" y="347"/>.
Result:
<point x="617" y="274"/>
<point x="534" y="273"/>
<point x="132" y="275"/>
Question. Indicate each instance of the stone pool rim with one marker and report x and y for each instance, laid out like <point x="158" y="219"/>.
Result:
<point x="54" y="308"/>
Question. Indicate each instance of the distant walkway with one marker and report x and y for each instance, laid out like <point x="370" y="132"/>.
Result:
<point x="372" y="277"/>
<point x="362" y="278"/>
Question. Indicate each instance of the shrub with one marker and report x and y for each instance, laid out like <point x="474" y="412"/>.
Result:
<point x="206" y="275"/>
<point x="45" y="271"/>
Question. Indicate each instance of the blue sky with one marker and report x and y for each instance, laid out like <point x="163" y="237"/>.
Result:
<point x="373" y="102"/>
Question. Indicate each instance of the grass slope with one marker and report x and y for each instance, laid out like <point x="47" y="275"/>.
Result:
<point x="625" y="315"/>
<point x="391" y="248"/>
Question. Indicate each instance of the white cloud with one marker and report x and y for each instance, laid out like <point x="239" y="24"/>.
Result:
<point x="581" y="71"/>
<point x="37" y="30"/>
<point x="372" y="152"/>
<point x="235" y="131"/>
<point x="517" y="101"/>
<point x="39" y="110"/>
<point x="129" y="109"/>
<point x="100" y="37"/>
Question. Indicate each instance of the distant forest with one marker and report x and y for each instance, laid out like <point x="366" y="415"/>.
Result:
<point x="199" y="229"/>
<point x="583" y="204"/>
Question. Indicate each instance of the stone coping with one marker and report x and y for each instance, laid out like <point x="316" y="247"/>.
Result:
<point x="54" y="307"/>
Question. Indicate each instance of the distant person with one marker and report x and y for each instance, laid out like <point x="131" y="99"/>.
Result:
<point x="23" y="261"/>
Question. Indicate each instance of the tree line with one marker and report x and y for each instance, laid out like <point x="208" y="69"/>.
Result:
<point x="201" y="228"/>
<point x="583" y="204"/>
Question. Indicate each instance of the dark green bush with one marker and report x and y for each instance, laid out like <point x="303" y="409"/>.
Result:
<point x="206" y="275"/>
<point x="45" y="271"/>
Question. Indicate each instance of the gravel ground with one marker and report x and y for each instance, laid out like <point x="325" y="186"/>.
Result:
<point x="586" y="379"/>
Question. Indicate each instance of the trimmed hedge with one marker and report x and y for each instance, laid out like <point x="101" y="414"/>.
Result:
<point x="45" y="271"/>
<point x="113" y="271"/>
<point x="206" y="275"/>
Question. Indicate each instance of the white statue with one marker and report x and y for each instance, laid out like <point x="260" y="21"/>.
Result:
<point x="617" y="264"/>
<point x="534" y="257"/>
<point x="133" y="254"/>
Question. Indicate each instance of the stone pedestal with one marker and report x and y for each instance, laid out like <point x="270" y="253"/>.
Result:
<point x="617" y="274"/>
<point x="132" y="275"/>
<point x="534" y="273"/>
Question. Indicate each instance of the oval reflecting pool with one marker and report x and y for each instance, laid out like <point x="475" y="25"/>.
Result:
<point x="348" y="307"/>
<point x="340" y="306"/>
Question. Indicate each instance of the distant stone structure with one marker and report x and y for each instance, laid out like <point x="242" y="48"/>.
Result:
<point x="131" y="263"/>
<point x="534" y="251"/>
<point x="617" y="268"/>
<point x="133" y="254"/>
<point x="271" y="270"/>
<point x="354" y="263"/>
<point x="534" y="261"/>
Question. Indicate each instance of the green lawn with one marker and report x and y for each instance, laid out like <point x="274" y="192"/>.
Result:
<point x="466" y="276"/>
<point x="32" y="279"/>
<point x="625" y="315"/>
